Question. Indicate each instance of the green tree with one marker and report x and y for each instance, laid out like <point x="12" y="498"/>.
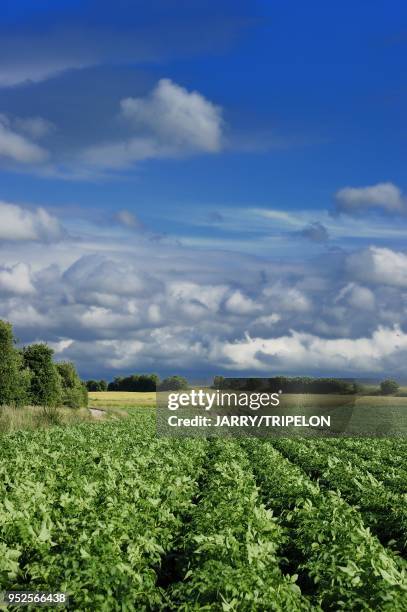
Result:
<point x="173" y="383"/>
<point x="45" y="385"/>
<point x="14" y="378"/>
<point x="73" y="391"/>
<point x="389" y="387"/>
<point x="102" y="385"/>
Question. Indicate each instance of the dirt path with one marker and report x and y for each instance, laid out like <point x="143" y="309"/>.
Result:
<point x="96" y="413"/>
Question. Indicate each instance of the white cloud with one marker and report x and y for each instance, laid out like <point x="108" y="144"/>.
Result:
<point x="128" y="304"/>
<point x="386" y="196"/>
<point x="16" y="279"/>
<point x="17" y="148"/>
<point x="302" y="352"/>
<point x="169" y="122"/>
<point x="379" y="266"/>
<point x="18" y="223"/>
<point x="287" y="298"/>
<point x="177" y="117"/>
<point x="240" y="304"/>
<point x="357" y="296"/>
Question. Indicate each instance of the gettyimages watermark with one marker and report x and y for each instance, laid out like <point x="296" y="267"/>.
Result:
<point x="272" y="407"/>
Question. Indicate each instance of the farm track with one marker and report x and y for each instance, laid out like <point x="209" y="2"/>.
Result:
<point x="123" y="520"/>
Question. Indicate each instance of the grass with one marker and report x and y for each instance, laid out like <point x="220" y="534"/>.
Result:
<point x="36" y="417"/>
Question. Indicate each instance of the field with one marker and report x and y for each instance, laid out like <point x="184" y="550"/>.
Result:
<point x="123" y="520"/>
<point x="120" y="399"/>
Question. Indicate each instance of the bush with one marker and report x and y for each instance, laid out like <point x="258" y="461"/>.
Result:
<point x="173" y="383"/>
<point x="73" y="391"/>
<point x="389" y="387"/>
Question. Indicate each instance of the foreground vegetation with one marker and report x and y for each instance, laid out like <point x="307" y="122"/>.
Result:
<point x="123" y="520"/>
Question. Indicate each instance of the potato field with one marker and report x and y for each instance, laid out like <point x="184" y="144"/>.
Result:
<point x="122" y="520"/>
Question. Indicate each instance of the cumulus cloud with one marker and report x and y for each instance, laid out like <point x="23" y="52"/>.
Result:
<point x="168" y="122"/>
<point x="17" y="148"/>
<point x="177" y="117"/>
<point x="304" y="352"/>
<point x="385" y="196"/>
<point x="240" y="304"/>
<point x="357" y="296"/>
<point x="18" y="223"/>
<point x="116" y="305"/>
<point x="16" y="279"/>
<point x="379" y="266"/>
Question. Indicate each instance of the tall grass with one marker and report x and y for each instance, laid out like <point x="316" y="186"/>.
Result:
<point x="37" y="417"/>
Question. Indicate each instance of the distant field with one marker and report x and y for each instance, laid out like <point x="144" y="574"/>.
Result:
<point x="121" y="399"/>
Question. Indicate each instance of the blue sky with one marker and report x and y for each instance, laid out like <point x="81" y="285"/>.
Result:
<point x="241" y="166"/>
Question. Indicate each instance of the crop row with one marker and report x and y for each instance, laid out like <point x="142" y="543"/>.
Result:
<point x="348" y="566"/>
<point x="92" y="510"/>
<point x="383" y="510"/>
<point x="232" y="544"/>
<point x="394" y="478"/>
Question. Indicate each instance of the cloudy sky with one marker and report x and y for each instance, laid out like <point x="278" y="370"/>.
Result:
<point x="199" y="188"/>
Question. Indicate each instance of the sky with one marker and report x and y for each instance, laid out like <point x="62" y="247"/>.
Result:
<point x="206" y="188"/>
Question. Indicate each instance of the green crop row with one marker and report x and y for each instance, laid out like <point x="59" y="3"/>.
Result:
<point x="394" y="478"/>
<point x="232" y="545"/>
<point x="347" y="565"/>
<point x="384" y="511"/>
<point x="91" y="510"/>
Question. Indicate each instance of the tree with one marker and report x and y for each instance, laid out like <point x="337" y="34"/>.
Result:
<point x="74" y="392"/>
<point x="14" y="378"/>
<point x="389" y="387"/>
<point x="93" y="385"/>
<point x="45" y="385"/>
<point x="173" y="383"/>
<point x="102" y="385"/>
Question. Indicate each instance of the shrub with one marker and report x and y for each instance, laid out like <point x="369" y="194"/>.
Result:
<point x="73" y="391"/>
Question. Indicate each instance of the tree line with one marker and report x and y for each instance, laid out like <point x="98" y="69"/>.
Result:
<point x="139" y="382"/>
<point x="301" y="384"/>
<point x="29" y="376"/>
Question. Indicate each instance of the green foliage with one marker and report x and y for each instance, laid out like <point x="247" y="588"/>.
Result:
<point x="45" y="386"/>
<point x="173" y="383"/>
<point x="135" y="382"/>
<point x="96" y="385"/>
<point x="73" y="391"/>
<point x="389" y="387"/>
<point x="14" y="378"/>
<point x="295" y="384"/>
<point x="349" y="567"/>
<point x="123" y="520"/>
